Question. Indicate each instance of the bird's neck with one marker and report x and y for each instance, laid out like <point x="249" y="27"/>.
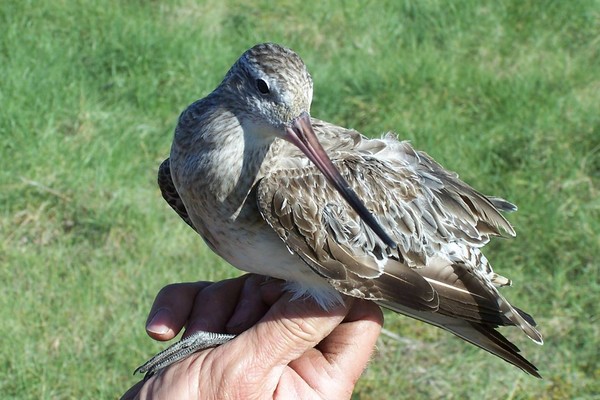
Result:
<point x="214" y="158"/>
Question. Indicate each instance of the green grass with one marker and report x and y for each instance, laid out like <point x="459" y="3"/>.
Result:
<point x="507" y="93"/>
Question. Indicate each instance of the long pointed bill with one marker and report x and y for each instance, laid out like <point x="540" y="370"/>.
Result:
<point x="302" y="135"/>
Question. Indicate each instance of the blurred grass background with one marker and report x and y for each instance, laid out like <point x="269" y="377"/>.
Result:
<point x="507" y="93"/>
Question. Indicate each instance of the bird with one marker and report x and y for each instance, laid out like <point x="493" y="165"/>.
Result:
<point x="276" y="192"/>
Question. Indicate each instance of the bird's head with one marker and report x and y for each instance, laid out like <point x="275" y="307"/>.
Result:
<point x="271" y="87"/>
<point x="270" y="91"/>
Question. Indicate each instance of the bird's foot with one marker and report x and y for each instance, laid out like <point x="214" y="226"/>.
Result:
<point x="178" y="351"/>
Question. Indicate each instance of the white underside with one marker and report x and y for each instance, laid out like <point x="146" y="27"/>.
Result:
<point x="261" y="251"/>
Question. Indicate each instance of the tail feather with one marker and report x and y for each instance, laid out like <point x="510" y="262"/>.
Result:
<point x="502" y="205"/>
<point x="483" y="336"/>
<point x="469" y="294"/>
<point x="527" y="317"/>
<point x="520" y="320"/>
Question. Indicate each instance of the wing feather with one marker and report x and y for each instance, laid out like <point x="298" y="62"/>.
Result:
<point x="169" y="192"/>
<point x="437" y="274"/>
<point x="481" y="335"/>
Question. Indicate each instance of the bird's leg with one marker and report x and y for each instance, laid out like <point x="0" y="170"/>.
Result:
<point x="178" y="351"/>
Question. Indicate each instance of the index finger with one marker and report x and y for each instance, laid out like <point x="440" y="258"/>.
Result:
<point x="171" y="308"/>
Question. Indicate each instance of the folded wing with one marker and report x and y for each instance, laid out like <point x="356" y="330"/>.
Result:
<point x="437" y="273"/>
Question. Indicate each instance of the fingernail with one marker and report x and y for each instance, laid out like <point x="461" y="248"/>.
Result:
<point x="159" y="322"/>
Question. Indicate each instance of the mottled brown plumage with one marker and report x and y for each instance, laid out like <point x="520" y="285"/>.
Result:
<point x="237" y="177"/>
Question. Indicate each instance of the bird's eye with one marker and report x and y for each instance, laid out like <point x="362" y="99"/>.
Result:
<point x="262" y="86"/>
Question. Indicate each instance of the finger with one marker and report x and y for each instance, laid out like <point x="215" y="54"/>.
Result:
<point x="284" y="334"/>
<point x="350" y="345"/>
<point x="271" y="290"/>
<point x="250" y="306"/>
<point x="171" y="309"/>
<point x="214" y="305"/>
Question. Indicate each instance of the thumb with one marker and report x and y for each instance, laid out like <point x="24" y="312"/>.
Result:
<point x="287" y="331"/>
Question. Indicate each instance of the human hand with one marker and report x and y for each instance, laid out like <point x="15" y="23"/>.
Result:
<point x="285" y="349"/>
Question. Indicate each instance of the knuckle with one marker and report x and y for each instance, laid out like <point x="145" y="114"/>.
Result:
<point x="300" y="329"/>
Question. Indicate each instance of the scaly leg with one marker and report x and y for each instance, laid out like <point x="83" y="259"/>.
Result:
<point x="178" y="351"/>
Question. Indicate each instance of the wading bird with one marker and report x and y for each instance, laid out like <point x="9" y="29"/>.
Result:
<point x="278" y="193"/>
